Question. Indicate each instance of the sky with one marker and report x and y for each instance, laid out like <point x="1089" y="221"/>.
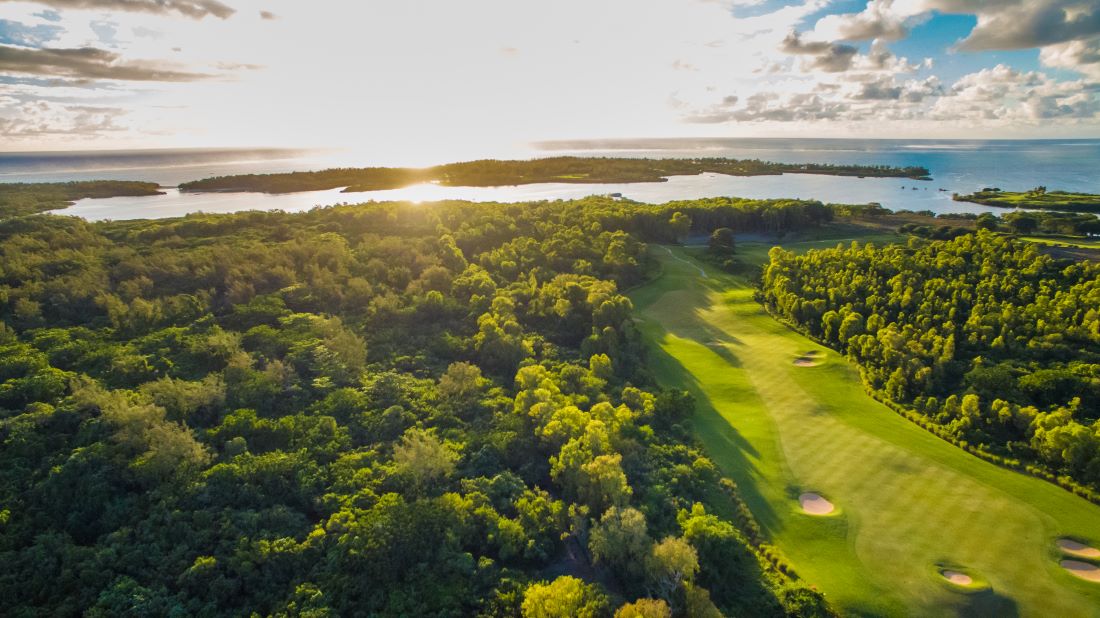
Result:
<point x="447" y="77"/>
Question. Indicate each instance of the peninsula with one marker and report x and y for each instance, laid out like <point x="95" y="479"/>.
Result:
<point x="1038" y="198"/>
<point x="19" y="198"/>
<point x="492" y="172"/>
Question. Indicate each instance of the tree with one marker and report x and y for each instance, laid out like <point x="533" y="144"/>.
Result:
<point x="671" y="562"/>
<point x="679" y="226"/>
<point x="565" y="597"/>
<point x="697" y="603"/>
<point x="461" y="382"/>
<point x="1023" y="223"/>
<point x="727" y="566"/>
<point x="986" y="221"/>
<point x="804" y="602"/>
<point x="603" y="482"/>
<point x="620" y="541"/>
<point x="722" y="241"/>
<point x="162" y="450"/>
<point x="423" y="457"/>
<point x="645" y="608"/>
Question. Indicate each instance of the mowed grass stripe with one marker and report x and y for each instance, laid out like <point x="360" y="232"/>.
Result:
<point x="906" y="498"/>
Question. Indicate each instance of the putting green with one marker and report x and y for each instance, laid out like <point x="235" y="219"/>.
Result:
<point x="905" y="500"/>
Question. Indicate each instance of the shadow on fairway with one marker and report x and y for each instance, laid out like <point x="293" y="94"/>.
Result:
<point x="726" y="441"/>
<point x="988" y="603"/>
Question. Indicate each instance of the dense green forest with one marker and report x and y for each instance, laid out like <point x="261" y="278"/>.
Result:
<point x="387" y="409"/>
<point x="491" y="172"/>
<point x="991" y="341"/>
<point x="17" y="198"/>
<point x="1037" y="198"/>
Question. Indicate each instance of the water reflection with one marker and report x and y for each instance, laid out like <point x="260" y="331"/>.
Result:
<point x="892" y="193"/>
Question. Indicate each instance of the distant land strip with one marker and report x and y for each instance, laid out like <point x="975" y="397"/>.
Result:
<point x="491" y="172"/>
<point x="1038" y="199"/>
<point x="20" y="198"/>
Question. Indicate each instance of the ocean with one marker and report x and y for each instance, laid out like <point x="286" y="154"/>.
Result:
<point x="956" y="166"/>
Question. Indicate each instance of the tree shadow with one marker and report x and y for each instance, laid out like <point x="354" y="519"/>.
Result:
<point x="723" y="443"/>
<point x="988" y="604"/>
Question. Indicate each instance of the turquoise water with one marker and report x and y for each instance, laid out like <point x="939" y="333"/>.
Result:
<point x="956" y="166"/>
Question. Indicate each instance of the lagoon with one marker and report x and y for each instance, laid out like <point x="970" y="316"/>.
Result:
<point x="959" y="166"/>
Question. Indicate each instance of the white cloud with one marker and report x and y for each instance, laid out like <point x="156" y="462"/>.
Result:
<point x="43" y="119"/>
<point x="882" y="19"/>
<point x="1081" y="56"/>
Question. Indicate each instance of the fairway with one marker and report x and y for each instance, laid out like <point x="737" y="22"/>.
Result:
<point x="906" y="504"/>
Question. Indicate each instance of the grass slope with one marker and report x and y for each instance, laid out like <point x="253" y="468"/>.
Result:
<point x="906" y="500"/>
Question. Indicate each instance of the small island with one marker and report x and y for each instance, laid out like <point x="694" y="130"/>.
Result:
<point x="492" y="172"/>
<point x="1038" y="198"/>
<point x="20" y="198"/>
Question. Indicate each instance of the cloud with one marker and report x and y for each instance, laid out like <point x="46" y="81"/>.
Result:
<point x="33" y="119"/>
<point x="775" y="107"/>
<point x="196" y="9"/>
<point x="880" y="20"/>
<point x="887" y="88"/>
<point x="1002" y="24"/>
<point x="1081" y="56"/>
<point x="1006" y="94"/>
<point x="15" y="33"/>
<point x="148" y="33"/>
<point x="1022" y="24"/>
<point x="88" y="63"/>
<point x="62" y="90"/>
<point x="838" y="58"/>
<point x="828" y="57"/>
<point x="1000" y="96"/>
<point x="883" y="90"/>
<point x="239" y="66"/>
<point x="995" y="84"/>
<point x="1067" y="32"/>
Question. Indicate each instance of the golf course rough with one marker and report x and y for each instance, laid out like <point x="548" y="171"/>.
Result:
<point x="910" y="500"/>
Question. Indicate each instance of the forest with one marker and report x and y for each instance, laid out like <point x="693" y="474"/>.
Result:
<point x="17" y="198"/>
<point x="993" y="343"/>
<point x="384" y="409"/>
<point x="492" y="172"/>
<point x="1038" y="198"/>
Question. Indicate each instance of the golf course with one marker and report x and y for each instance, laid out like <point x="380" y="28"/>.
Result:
<point x="883" y="517"/>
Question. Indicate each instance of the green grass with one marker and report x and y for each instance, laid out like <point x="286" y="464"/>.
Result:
<point x="908" y="501"/>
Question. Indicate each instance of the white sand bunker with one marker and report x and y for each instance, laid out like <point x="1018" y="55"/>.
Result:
<point x="957" y="578"/>
<point x="1084" y="570"/>
<point x="815" y="504"/>
<point x="1075" y="548"/>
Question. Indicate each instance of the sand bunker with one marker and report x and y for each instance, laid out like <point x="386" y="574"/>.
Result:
<point x="808" y="359"/>
<point x="957" y="578"/>
<point x="1084" y="570"/>
<point x="1075" y="548"/>
<point x="815" y="504"/>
